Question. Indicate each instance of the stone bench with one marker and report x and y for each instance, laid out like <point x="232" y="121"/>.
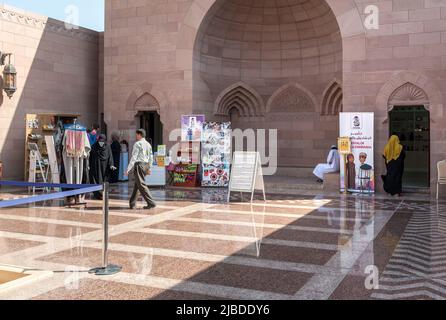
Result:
<point x="332" y="181"/>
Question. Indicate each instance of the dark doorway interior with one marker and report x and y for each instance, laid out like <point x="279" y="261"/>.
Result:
<point x="412" y="125"/>
<point x="151" y="122"/>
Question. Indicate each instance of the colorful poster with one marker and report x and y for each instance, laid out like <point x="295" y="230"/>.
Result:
<point x="185" y="175"/>
<point x="216" y="154"/>
<point x="192" y="127"/>
<point x="358" y="172"/>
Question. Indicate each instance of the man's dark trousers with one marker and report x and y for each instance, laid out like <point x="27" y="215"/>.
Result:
<point x="140" y="185"/>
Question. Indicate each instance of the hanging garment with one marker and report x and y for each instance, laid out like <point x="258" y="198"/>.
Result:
<point x="74" y="143"/>
<point x="101" y="162"/>
<point x="76" y="148"/>
<point x="74" y="169"/>
<point x="332" y="165"/>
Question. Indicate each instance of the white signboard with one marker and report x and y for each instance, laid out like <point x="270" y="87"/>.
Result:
<point x="52" y="158"/>
<point x="246" y="174"/>
<point x="358" y="171"/>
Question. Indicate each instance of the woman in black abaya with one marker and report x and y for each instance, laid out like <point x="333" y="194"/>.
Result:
<point x="101" y="163"/>
<point x="394" y="156"/>
<point x="116" y="150"/>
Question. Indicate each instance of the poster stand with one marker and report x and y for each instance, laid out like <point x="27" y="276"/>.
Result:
<point x="246" y="174"/>
<point x="359" y="165"/>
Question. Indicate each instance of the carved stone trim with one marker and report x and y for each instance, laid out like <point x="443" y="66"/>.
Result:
<point x="49" y="24"/>
<point x="291" y="98"/>
<point x="332" y="103"/>
<point x="409" y="94"/>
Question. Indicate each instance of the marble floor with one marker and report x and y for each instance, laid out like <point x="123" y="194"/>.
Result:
<point x="196" y="246"/>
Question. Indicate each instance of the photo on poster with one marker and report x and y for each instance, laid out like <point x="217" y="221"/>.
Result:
<point x="192" y="127"/>
<point x="358" y="173"/>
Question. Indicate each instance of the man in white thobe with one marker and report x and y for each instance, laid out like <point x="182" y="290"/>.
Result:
<point x="332" y="165"/>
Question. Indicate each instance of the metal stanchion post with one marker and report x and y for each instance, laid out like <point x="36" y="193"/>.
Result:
<point x="106" y="269"/>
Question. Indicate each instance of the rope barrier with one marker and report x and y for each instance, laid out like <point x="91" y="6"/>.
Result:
<point x="45" y="185"/>
<point x="105" y="269"/>
<point x="47" y="197"/>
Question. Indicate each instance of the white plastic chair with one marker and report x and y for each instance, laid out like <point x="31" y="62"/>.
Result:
<point x="441" y="179"/>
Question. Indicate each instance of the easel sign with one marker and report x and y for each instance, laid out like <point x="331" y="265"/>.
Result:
<point x="246" y="174"/>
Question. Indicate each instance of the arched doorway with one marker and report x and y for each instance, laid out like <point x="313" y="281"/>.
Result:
<point x="409" y="119"/>
<point x="285" y="54"/>
<point x="148" y="118"/>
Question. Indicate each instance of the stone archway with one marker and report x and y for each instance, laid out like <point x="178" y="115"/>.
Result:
<point x="286" y="52"/>
<point x="146" y="97"/>
<point x="346" y="12"/>
<point x="243" y="98"/>
<point x="412" y="88"/>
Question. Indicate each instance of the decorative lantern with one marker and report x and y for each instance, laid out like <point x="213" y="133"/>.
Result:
<point x="9" y="76"/>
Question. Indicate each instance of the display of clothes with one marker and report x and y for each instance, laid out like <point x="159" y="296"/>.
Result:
<point x="101" y="163"/>
<point x="75" y="149"/>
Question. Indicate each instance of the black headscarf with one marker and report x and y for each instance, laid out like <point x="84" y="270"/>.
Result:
<point x="101" y="152"/>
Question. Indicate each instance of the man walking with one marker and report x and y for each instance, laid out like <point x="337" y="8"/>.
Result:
<point x="141" y="163"/>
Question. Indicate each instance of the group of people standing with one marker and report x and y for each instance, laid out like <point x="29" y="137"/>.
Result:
<point x="105" y="163"/>
<point x="394" y="156"/>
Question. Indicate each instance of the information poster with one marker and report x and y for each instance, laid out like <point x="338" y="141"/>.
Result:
<point x="216" y="154"/>
<point x="244" y="171"/>
<point x="358" y="173"/>
<point x="246" y="174"/>
<point x="192" y="127"/>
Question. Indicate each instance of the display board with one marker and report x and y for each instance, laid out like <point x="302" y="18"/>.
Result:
<point x="246" y="174"/>
<point x="185" y="175"/>
<point x="357" y="173"/>
<point x="216" y="154"/>
<point x="52" y="159"/>
<point x="192" y="127"/>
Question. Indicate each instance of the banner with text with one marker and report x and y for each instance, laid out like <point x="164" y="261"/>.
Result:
<point x="358" y="171"/>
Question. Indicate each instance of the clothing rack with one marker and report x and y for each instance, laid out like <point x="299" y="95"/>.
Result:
<point x="75" y="127"/>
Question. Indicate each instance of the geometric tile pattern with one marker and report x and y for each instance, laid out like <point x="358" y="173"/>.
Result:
<point x="417" y="269"/>
<point x="194" y="245"/>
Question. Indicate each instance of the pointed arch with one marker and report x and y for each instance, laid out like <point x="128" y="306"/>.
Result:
<point x="332" y="101"/>
<point x="147" y="97"/>
<point x="147" y="102"/>
<point x="242" y="98"/>
<point x="292" y="98"/>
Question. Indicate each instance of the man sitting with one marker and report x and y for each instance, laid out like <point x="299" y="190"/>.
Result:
<point x="332" y="165"/>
